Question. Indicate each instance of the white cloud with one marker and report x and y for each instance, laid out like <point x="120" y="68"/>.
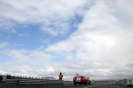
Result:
<point x="40" y="55"/>
<point x="17" y="54"/>
<point x="26" y="34"/>
<point x="6" y="25"/>
<point x="101" y="48"/>
<point x="27" y="55"/>
<point x="69" y="70"/>
<point x="100" y="32"/>
<point x="126" y="8"/>
<point x="102" y="36"/>
<point x="51" y="14"/>
<point x="56" y="28"/>
<point x="25" y="26"/>
<point x="3" y="44"/>
<point x="25" y="63"/>
<point x="18" y="44"/>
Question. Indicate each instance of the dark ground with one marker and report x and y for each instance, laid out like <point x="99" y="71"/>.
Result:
<point x="70" y="85"/>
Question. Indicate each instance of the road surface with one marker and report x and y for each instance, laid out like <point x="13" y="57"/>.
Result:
<point x="70" y="85"/>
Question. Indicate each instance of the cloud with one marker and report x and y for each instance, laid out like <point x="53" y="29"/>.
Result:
<point x="101" y="48"/>
<point x="102" y="36"/>
<point x="17" y="54"/>
<point x="27" y="55"/>
<point x="98" y="34"/>
<point x="50" y="14"/>
<point x="6" y="25"/>
<point x="25" y="26"/>
<point x="18" y="44"/>
<point x="40" y="55"/>
<point x="125" y="8"/>
<point x="15" y="69"/>
<point x="26" y="34"/>
<point x="56" y="28"/>
<point x="25" y="63"/>
<point x="3" y="44"/>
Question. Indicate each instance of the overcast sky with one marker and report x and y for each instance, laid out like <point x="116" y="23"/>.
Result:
<point x="89" y="37"/>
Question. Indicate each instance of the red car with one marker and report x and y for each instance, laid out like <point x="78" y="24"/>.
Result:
<point x="81" y="80"/>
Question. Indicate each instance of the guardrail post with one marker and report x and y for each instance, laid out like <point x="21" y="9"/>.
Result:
<point x="125" y="82"/>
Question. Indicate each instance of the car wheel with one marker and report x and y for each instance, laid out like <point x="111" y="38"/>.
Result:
<point x="75" y="83"/>
<point x="79" y="83"/>
<point x="89" y="83"/>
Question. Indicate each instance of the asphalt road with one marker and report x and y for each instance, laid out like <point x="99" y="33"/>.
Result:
<point x="70" y="85"/>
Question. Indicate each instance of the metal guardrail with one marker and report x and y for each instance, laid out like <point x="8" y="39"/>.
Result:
<point x="125" y="82"/>
<point x="31" y="82"/>
<point x="130" y="82"/>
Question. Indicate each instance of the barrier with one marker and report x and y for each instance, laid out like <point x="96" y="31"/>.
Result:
<point x="125" y="82"/>
<point x="130" y="82"/>
<point x="32" y="82"/>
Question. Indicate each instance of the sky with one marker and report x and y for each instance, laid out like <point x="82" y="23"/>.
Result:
<point x="41" y="38"/>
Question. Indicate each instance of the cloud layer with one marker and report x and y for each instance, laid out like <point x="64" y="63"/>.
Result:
<point x="53" y="16"/>
<point x="101" y="47"/>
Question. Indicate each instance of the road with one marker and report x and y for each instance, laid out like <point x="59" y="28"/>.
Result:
<point x="70" y="85"/>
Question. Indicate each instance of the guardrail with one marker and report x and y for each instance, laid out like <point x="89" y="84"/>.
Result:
<point x="125" y="82"/>
<point x="29" y="82"/>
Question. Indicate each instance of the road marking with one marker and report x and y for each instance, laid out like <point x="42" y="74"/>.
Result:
<point x="95" y="85"/>
<point x="91" y="86"/>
